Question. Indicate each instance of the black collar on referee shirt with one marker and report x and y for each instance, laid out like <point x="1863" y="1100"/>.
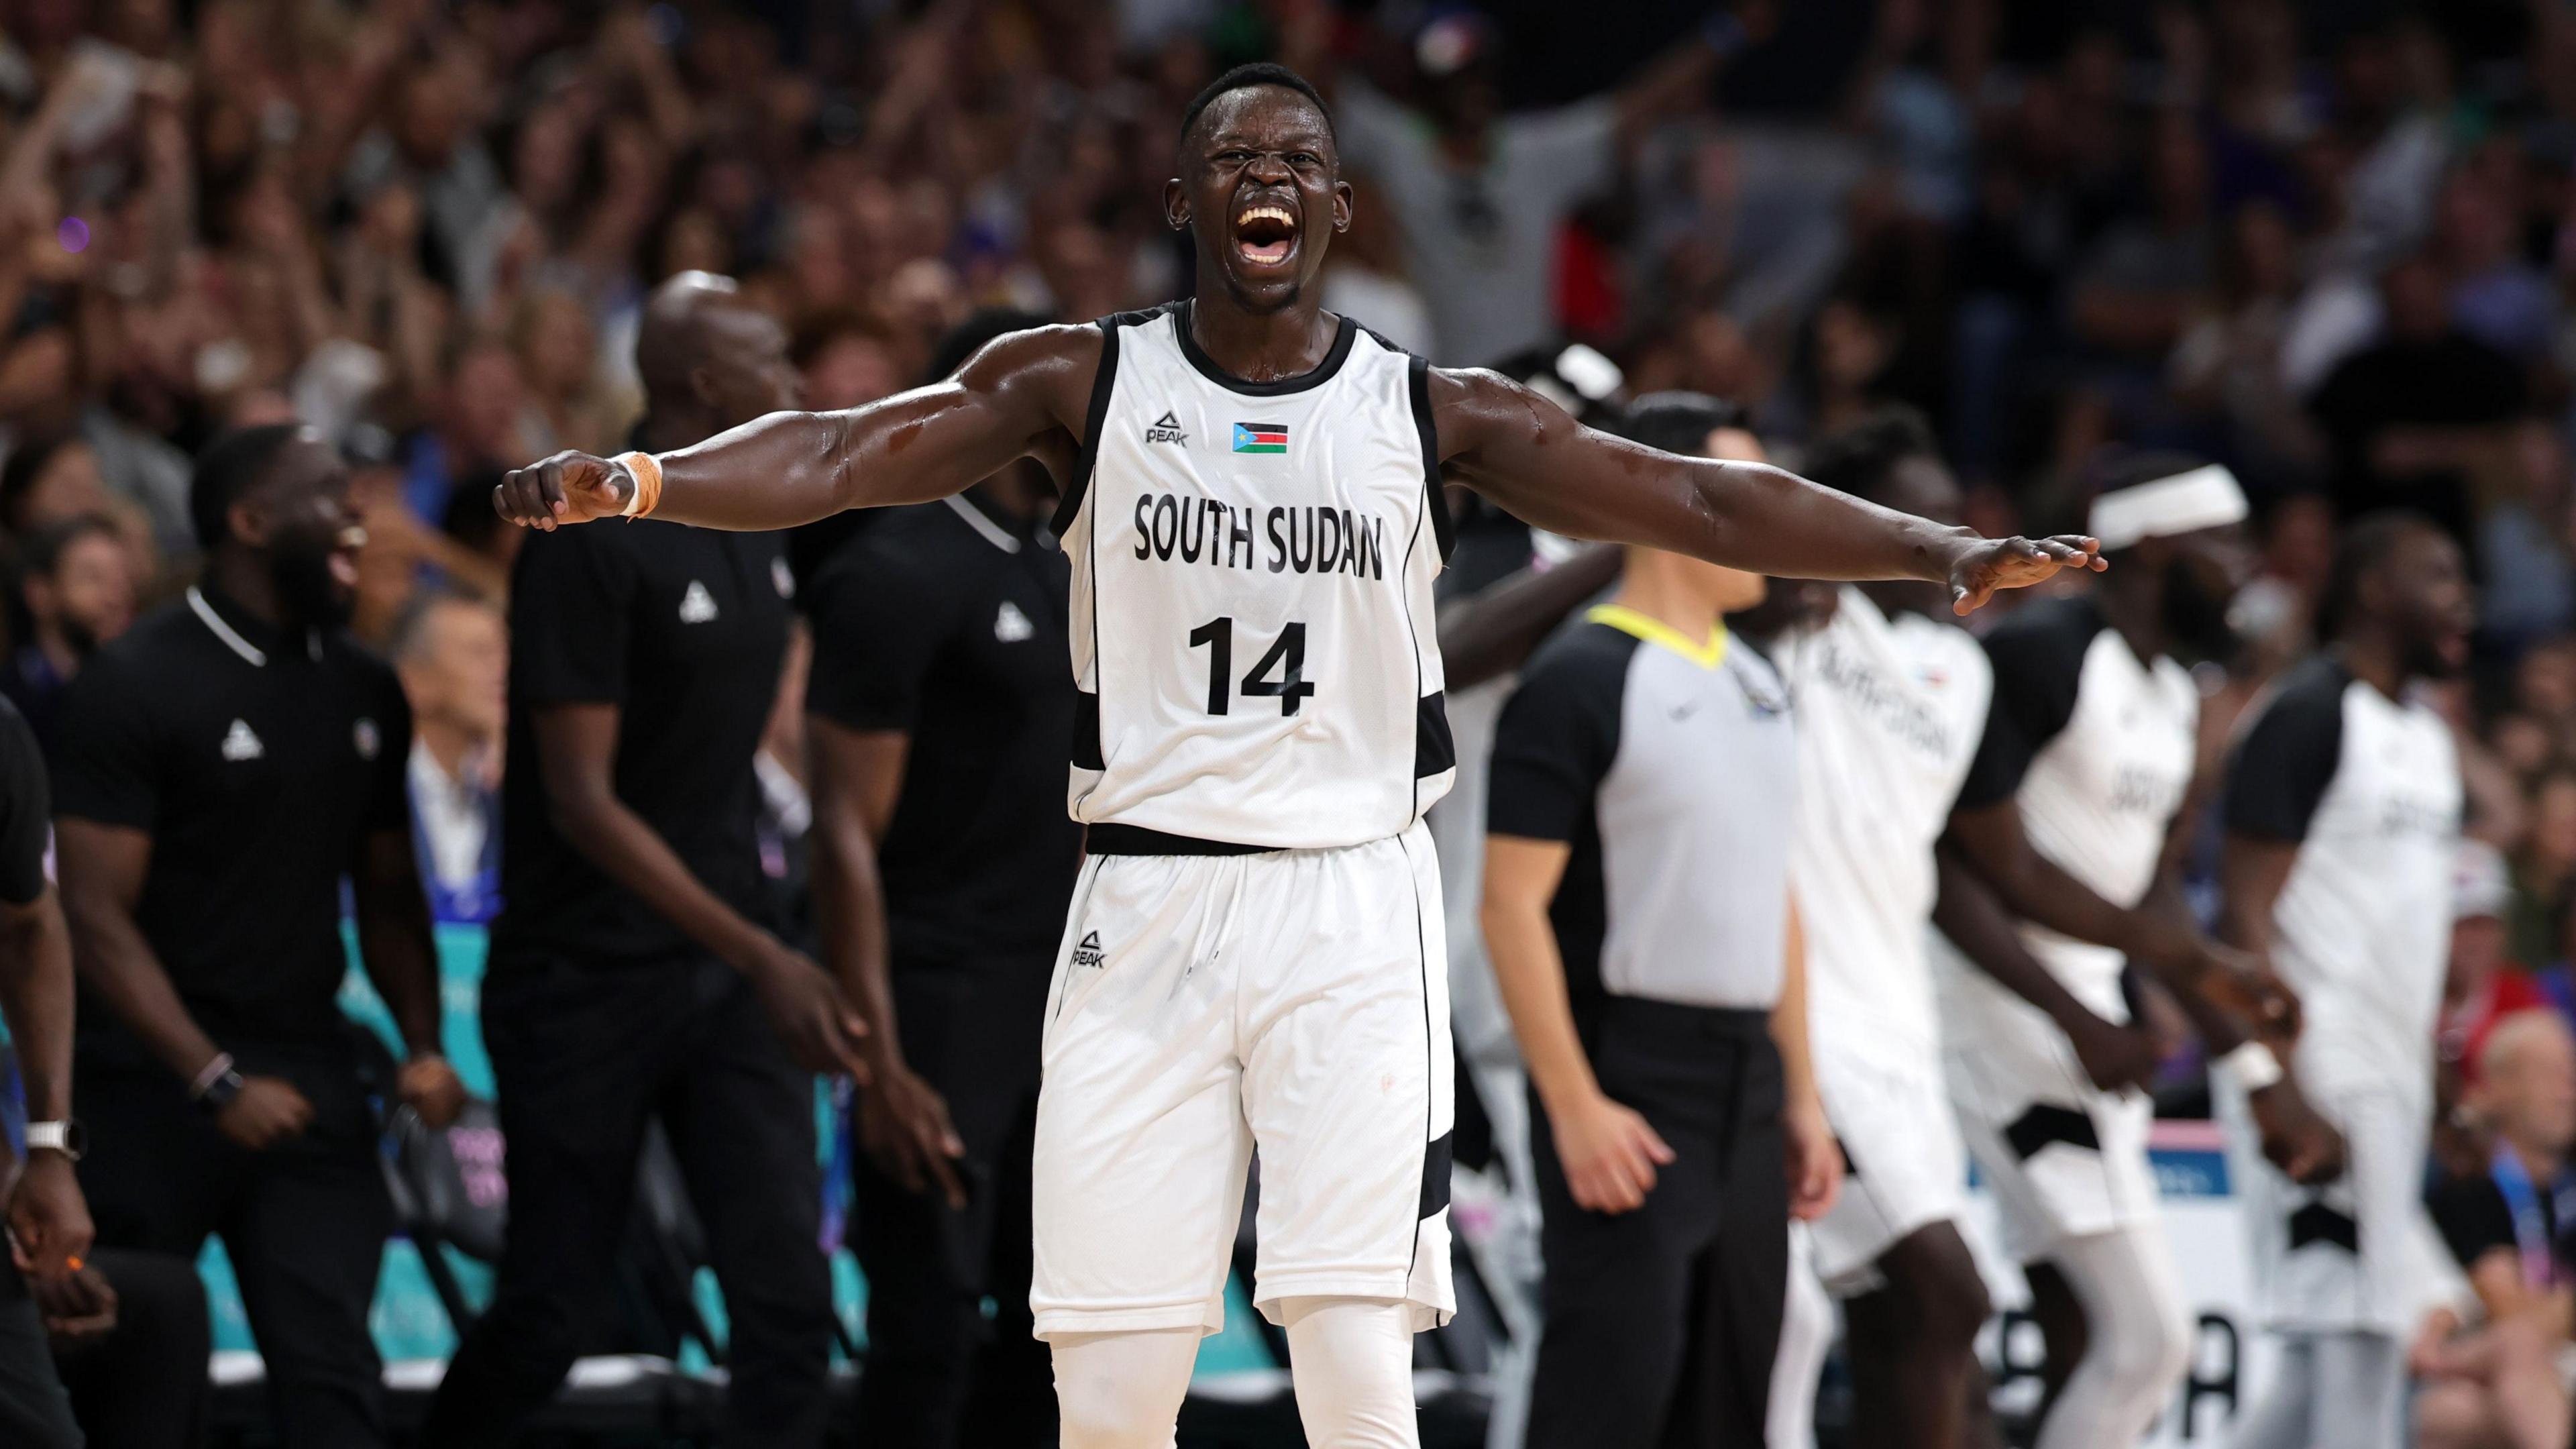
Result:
<point x="242" y="634"/>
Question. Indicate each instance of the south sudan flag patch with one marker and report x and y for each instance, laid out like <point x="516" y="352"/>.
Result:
<point x="1261" y="437"/>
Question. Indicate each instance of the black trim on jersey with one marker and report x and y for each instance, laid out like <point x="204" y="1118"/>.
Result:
<point x="1433" y="749"/>
<point x="2038" y="655"/>
<point x="1435" y="1176"/>
<point x="1108" y="837"/>
<point x="1443" y="527"/>
<point x="2317" y="1223"/>
<point x="2046" y="1123"/>
<point x="1086" y="732"/>
<point x="2282" y="766"/>
<point x="1096" y="416"/>
<point x="1314" y="377"/>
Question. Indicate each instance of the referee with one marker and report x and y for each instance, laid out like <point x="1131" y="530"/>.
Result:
<point x="940" y="705"/>
<point x="635" y="973"/>
<point x="1637" y="910"/>
<point x="220" y="770"/>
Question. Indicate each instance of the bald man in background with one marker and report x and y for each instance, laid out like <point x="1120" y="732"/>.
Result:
<point x="636" y="973"/>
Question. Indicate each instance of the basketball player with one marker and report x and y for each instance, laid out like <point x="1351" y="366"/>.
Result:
<point x="1252" y="509"/>
<point x="2068" y="815"/>
<point x="1891" y="698"/>
<point x="2342" y="812"/>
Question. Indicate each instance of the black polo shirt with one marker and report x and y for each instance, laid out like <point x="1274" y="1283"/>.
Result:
<point x="946" y="622"/>
<point x="26" y="817"/>
<point x="683" y="629"/>
<point x="258" y="760"/>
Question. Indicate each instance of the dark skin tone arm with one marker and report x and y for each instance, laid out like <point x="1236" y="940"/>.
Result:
<point x="1494" y="631"/>
<point x="857" y="778"/>
<point x="2114" y="1056"/>
<point x="48" y="1218"/>
<point x="103" y="867"/>
<point x="576" y="758"/>
<point x="1013" y="399"/>
<point x="402" y="961"/>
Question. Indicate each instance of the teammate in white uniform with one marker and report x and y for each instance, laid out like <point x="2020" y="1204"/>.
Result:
<point x="2068" y="814"/>
<point x="2342" y="812"/>
<point x="1891" y="698"/>
<point x="1252" y="510"/>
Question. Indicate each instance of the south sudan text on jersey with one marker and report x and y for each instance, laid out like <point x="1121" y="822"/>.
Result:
<point x="1305" y="540"/>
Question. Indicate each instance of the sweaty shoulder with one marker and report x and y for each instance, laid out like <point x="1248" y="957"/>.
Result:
<point x="1053" y="365"/>
<point x="1475" y="407"/>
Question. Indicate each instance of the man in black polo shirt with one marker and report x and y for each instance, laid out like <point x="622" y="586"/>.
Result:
<point x="634" y="971"/>
<point x="939" y="707"/>
<point x="220" y="770"/>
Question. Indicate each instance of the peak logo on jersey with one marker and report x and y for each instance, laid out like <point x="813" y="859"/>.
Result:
<point x="240" y="744"/>
<point x="1261" y="437"/>
<point x="1089" y="952"/>
<point x="1167" y="429"/>
<point x="1010" y="626"/>
<point x="697" y="606"/>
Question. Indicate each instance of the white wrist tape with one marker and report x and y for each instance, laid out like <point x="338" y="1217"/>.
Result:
<point x="2252" y="1067"/>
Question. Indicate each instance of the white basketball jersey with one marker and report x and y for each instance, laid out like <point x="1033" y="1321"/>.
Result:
<point x="1252" y="620"/>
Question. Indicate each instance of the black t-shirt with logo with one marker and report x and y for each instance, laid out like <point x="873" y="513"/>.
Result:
<point x="258" y="761"/>
<point x="683" y="629"/>
<point x="946" y="623"/>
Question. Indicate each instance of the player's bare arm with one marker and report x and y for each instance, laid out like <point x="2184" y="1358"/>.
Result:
<point x="1022" y="396"/>
<point x="1528" y="455"/>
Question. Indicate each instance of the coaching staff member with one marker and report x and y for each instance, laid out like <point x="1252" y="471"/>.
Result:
<point x="940" y="707"/>
<point x="634" y="973"/>
<point x="220" y="769"/>
<point x="1637" y="911"/>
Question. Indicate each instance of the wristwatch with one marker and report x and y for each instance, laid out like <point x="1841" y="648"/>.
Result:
<point x="217" y="1085"/>
<point x="66" y="1137"/>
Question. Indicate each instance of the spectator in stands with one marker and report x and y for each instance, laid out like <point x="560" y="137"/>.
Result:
<point x="2484" y="985"/>
<point x="222" y="769"/>
<point x="2513" y="1229"/>
<point x="75" y="593"/>
<point x="453" y="654"/>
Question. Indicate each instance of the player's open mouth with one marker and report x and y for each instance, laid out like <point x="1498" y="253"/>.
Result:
<point x="345" y="547"/>
<point x="1265" y="234"/>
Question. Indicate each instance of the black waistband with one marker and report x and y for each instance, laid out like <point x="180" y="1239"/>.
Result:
<point x="1680" y="1019"/>
<point x="1110" y="838"/>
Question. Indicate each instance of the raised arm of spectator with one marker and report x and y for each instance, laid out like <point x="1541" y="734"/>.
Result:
<point x="394" y="939"/>
<point x="871" y="650"/>
<point x="47" y="1215"/>
<point x="569" y="625"/>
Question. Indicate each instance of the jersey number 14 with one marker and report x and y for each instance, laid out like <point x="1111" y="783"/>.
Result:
<point x="1287" y="657"/>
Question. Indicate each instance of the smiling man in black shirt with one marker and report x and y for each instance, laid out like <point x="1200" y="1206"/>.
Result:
<point x="635" y="971"/>
<point x="940" y="707"/>
<point x="220" y="770"/>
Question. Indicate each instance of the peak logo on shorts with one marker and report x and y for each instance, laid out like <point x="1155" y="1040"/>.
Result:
<point x="1089" y="952"/>
<point x="1261" y="437"/>
<point x="1167" y="429"/>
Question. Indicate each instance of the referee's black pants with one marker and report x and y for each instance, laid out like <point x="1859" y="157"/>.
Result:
<point x="585" y="1056"/>
<point x="1661" y="1323"/>
<point x="304" y="1221"/>
<point x="940" y="1374"/>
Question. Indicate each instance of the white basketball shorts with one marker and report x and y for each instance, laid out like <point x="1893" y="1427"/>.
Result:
<point x="1886" y="1099"/>
<point x="2340" y="1257"/>
<point x="2064" y="1158"/>
<point x="1205" y="1007"/>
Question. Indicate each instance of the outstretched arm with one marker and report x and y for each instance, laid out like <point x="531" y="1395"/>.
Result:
<point x="1525" y="453"/>
<point x="1022" y="396"/>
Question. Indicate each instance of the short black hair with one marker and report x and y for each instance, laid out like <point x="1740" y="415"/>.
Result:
<point x="2364" y="547"/>
<point x="1258" y="73"/>
<point x="226" y="470"/>
<point x="26" y="464"/>
<point x="1858" y="459"/>
<point x="1680" y="422"/>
